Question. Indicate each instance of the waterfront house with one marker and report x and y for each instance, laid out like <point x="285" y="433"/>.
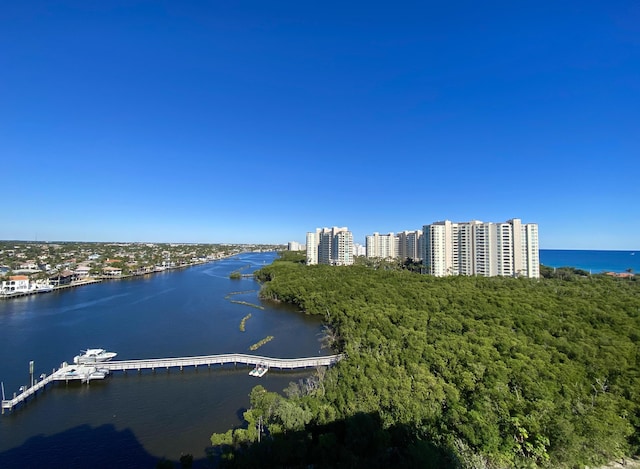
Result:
<point x="63" y="278"/>
<point x="16" y="284"/>
<point x="83" y="271"/>
<point x="112" y="272"/>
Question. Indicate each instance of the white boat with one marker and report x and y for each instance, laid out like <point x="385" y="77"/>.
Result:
<point x="93" y="355"/>
<point x="259" y="371"/>
<point x="98" y="374"/>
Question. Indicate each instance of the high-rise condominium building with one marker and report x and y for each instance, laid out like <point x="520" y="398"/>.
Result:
<point x="404" y="245"/>
<point x="477" y="248"/>
<point x="295" y="246"/>
<point x="359" y="250"/>
<point x="381" y="246"/>
<point x="410" y="245"/>
<point x="333" y="246"/>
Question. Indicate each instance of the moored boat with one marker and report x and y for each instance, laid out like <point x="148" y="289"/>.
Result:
<point x="98" y="374"/>
<point x="42" y="288"/>
<point x="259" y="371"/>
<point x="94" y="355"/>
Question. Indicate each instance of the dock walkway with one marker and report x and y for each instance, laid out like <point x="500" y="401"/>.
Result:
<point x="86" y="373"/>
<point x="225" y="359"/>
<point x="65" y="373"/>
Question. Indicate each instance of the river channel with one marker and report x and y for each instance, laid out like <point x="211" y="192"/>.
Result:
<point x="136" y="419"/>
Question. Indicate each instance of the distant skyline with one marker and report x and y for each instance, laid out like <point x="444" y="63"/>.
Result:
<point x="254" y="122"/>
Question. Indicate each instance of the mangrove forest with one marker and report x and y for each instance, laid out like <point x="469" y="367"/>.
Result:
<point x="454" y="372"/>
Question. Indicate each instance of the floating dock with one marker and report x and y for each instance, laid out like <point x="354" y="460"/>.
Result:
<point x="88" y="373"/>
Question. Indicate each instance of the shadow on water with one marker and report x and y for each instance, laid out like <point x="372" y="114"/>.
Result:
<point x="359" y="441"/>
<point x="86" y="447"/>
<point x="240" y="413"/>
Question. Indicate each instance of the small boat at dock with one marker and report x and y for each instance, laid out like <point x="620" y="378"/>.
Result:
<point x="98" y="374"/>
<point x="259" y="371"/>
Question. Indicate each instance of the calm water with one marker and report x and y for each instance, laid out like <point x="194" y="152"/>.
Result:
<point x="134" y="420"/>
<point x="594" y="261"/>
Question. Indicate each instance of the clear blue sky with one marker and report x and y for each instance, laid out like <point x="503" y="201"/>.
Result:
<point x="216" y="121"/>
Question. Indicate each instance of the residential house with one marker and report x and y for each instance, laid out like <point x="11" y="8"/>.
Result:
<point x="83" y="271"/>
<point x="16" y="284"/>
<point x="111" y="272"/>
<point x="29" y="265"/>
<point x="63" y="278"/>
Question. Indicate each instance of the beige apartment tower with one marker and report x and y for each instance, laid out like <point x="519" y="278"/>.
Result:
<point x="332" y="246"/>
<point x="404" y="245"/>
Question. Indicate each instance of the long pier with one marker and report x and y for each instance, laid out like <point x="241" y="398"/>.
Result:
<point x="86" y="373"/>
<point x="225" y="359"/>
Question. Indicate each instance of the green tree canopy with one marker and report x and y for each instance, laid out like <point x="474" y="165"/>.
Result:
<point x="462" y="371"/>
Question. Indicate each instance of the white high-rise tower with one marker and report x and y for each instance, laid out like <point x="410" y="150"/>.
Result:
<point x="486" y="249"/>
<point x="333" y="246"/>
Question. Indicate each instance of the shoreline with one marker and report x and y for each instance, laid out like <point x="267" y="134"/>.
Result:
<point x="592" y="261"/>
<point x="593" y="271"/>
<point x="101" y="278"/>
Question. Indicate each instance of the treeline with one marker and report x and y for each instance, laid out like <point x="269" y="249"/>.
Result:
<point x="453" y="372"/>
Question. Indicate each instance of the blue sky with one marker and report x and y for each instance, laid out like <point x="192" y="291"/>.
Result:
<point x="197" y="121"/>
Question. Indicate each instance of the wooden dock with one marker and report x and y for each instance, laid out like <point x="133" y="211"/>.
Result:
<point x="87" y="373"/>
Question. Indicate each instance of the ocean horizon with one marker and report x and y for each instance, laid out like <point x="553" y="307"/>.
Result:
<point x="593" y="261"/>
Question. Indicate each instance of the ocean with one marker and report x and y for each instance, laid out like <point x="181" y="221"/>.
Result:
<point x="592" y="261"/>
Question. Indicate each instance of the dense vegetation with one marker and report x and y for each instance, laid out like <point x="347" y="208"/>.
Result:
<point x="452" y="372"/>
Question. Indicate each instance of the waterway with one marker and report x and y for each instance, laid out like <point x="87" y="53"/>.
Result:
<point x="134" y="420"/>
